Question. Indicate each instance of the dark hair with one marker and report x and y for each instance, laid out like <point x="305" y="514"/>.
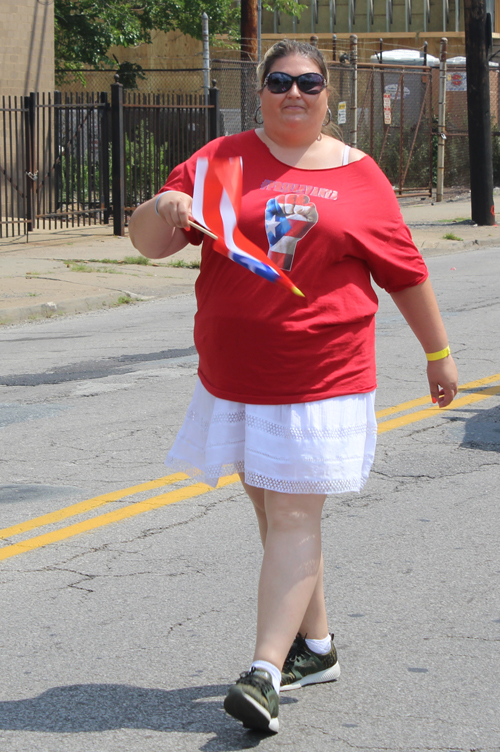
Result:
<point x="285" y="48"/>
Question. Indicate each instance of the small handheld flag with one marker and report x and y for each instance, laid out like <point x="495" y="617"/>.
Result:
<point x="216" y="206"/>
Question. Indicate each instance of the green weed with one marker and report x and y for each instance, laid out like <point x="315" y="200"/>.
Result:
<point x="76" y="267"/>
<point x="137" y="260"/>
<point x="140" y="260"/>
<point x="124" y="300"/>
<point x="451" y="236"/>
<point x="180" y="264"/>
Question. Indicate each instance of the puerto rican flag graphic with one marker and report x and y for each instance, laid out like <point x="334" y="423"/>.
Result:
<point x="216" y="206"/>
<point x="288" y="218"/>
<point x="281" y="225"/>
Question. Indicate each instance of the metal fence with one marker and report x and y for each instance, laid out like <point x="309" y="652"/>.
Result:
<point x="395" y="131"/>
<point x="13" y="172"/>
<point x="457" y="136"/>
<point x="77" y="159"/>
<point x="74" y="158"/>
<point x="160" y="132"/>
<point x="68" y="158"/>
<point x="148" y="81"/>
<point x="395" y="124"/>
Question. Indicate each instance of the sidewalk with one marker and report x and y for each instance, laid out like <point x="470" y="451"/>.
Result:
<point x="74" y="270"/>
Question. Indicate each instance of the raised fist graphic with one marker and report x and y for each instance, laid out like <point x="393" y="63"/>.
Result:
<point x="288" y="218"/>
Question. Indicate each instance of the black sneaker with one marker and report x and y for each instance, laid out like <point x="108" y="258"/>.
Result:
<point x="254" y="701"/>
<point x="302" y="666"/>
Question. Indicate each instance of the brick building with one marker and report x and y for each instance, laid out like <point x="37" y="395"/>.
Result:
<point x="26" y="46"/>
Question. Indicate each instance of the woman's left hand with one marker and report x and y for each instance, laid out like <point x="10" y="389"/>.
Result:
<point x="443" y="380"/>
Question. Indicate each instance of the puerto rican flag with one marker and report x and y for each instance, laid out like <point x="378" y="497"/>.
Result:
<point x="216" y="206"/>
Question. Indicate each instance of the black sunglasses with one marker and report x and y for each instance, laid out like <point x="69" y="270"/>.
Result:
<point x="308" y="83"/>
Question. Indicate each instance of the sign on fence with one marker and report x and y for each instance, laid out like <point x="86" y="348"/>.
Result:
<point x="387" y="109"/>
<point x="456" y="81"/>
<point x="342" y="113"/>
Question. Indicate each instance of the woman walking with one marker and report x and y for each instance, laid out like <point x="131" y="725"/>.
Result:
<point x="286" y="387"/>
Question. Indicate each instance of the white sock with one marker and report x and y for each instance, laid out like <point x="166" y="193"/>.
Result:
<point x="320" y="647"/>
<point x="271" y="669"/>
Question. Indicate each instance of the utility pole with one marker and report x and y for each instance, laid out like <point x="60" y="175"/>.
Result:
<point x="248" y="28"/>
<point x="248" y="56"/>
<point x="477" y="41"/>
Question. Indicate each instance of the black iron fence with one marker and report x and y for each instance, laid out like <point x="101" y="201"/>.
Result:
<point x="14" y="126"/>
<point x="78" y="159"/>
<point x="67" y="158"/>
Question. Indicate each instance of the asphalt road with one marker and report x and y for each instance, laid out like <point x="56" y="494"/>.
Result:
<point x="123" y="619"/>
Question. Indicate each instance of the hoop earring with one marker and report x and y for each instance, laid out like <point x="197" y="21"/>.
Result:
<point x="329" y="114"/>
<point x="255" y="117"/>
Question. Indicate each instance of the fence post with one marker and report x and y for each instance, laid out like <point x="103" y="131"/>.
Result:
<point x="57" y="151"/>
<point x="117" y="158"/>
<point x="354" y="90"/>
<point x="104" y="156"/>
<point x="206" y="55"/>
<point x="29" y="135"/>
<point x="441" y="120"/>
<point x="214" y="112"/>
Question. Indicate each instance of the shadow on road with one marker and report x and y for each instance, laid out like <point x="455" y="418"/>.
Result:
<point x="102" y="707"/>
<point x="482" y="430"/>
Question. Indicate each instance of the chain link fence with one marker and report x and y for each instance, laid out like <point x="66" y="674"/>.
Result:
<point x="148" y="81"/>
<point x="456" y="168"/>
<point x="395" y="123"/>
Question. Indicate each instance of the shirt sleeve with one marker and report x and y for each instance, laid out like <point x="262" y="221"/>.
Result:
<point x="398" y="263"/>
<point x="385" y="241"/>
<point x="182" y="179"/>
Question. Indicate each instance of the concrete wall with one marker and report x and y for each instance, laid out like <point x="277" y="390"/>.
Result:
<point x="26" y="46"/>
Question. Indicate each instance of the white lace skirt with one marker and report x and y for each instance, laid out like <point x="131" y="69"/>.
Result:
<point x="319" y="447"/>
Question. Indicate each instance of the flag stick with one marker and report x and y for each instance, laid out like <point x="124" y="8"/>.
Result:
<point x="202" y="229"/>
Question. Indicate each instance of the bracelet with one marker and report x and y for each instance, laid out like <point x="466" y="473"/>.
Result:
<point x="156" y="205"/>
<point x="439" y="355"/>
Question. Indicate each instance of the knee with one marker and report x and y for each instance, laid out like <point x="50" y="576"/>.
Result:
<point x="287" y="512"/>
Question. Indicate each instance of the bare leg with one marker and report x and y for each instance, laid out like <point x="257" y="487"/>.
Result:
<point x="315" y="622"/>
<point x="256" y="496"/>
<point x="290" y="569"/>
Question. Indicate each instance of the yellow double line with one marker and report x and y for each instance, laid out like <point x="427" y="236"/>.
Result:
<point x="474" y="391"/>
<point x="477" y="391"/>
<point x="123" y="513"/>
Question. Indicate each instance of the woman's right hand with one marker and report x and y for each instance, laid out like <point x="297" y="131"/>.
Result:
<point x="174" y="207"/>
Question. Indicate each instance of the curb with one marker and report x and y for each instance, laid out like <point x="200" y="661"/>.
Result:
<point x="74" y="305"/>
<point x="427" y="247"/>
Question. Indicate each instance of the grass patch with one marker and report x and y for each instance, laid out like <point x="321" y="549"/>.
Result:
<point x="451" y="236"/>
<point x="180" y="264"/>
<point x="84" y="266"/>
<point x="74" y="266"/>
<point x="136" y="260"/>
<point x="140" y="260"/>
<point x="32" y="274"/>
<point x="124" y="300"/>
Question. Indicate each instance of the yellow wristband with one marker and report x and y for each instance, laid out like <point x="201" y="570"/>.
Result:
<point x="439" y="355"/>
